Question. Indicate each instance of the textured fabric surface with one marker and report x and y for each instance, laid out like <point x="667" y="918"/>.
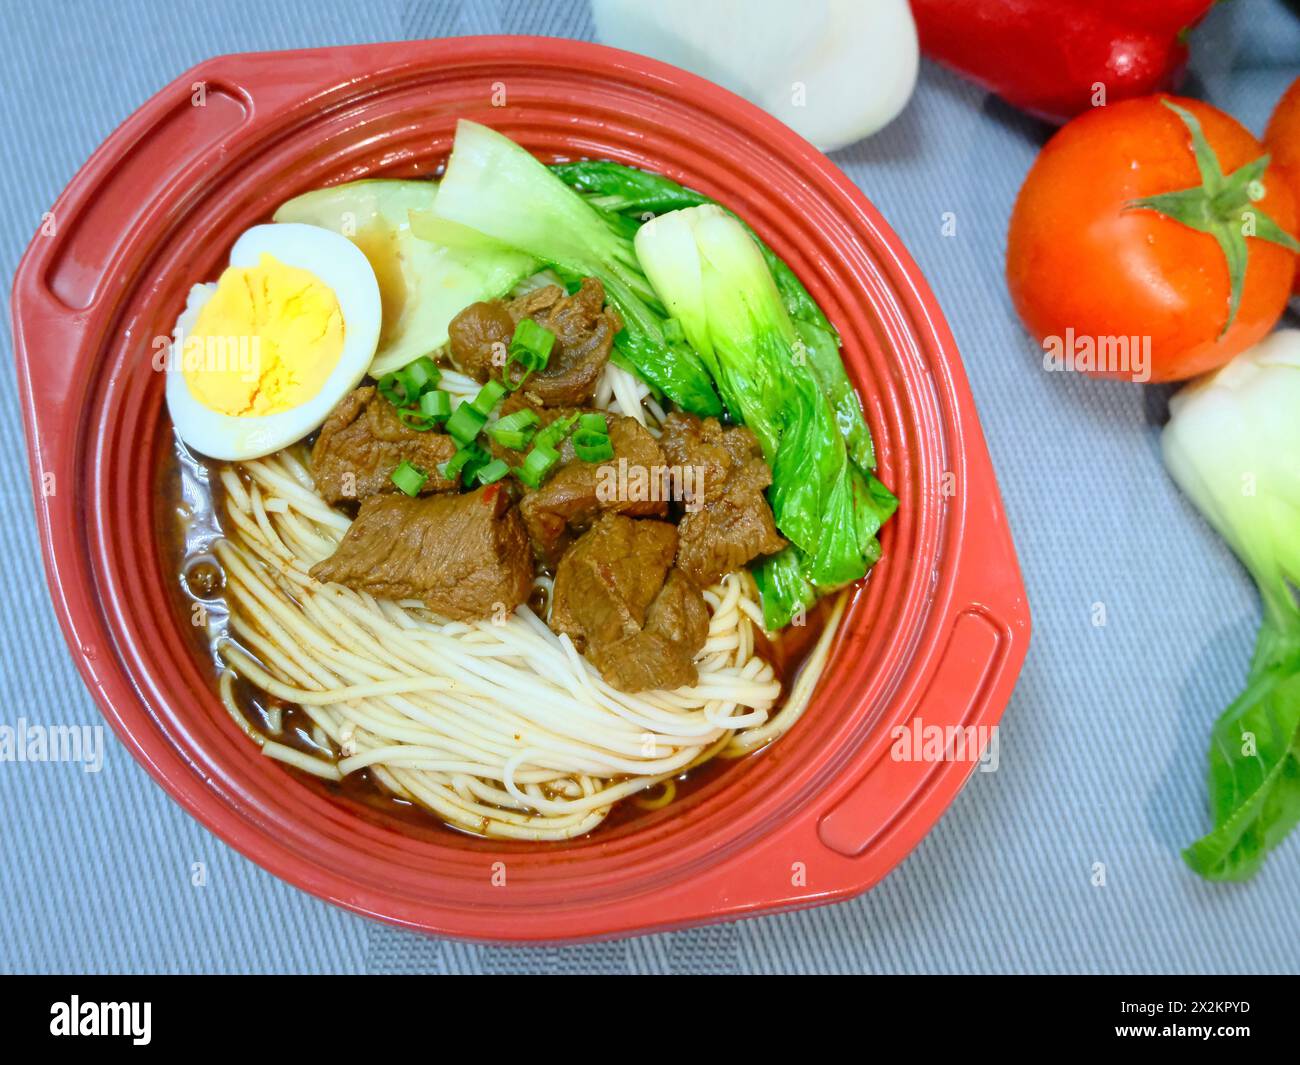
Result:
<point x="1103" y="744"/>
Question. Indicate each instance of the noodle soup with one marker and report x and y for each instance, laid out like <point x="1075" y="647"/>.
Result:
<point x="533" y="510"/>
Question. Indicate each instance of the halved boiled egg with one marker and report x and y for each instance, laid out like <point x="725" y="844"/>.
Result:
<point x="260" y="357"/>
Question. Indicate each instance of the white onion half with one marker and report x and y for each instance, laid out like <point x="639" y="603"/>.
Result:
<point x="832" y="70"/>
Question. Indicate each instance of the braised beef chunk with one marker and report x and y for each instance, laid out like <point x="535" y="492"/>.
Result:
<point x="480" y="338"/>
<point x="606" y="581"/>
<point x="538" y="303"/>
<point x="464" y="556"/>
<point x="578" y="491"/>
<point x="584" y="334"/>
<point x="638" y="623"/>
<point x="728" y="522"/>
<point x="661" y="655"/>
<point x="363" y="441"/>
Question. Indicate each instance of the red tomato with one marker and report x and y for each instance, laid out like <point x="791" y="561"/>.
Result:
<point x="1282" y="139"/>
<point x="1082" y="264"/>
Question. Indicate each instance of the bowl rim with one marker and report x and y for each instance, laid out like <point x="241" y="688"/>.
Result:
<point x="977" y="648"/>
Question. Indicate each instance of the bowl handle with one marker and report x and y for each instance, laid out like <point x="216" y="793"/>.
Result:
<point x="88" y="244"/>
<point x="945" y="728"/>
<point x="952" y="725"/>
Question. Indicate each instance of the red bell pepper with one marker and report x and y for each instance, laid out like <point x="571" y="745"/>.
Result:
<point x="1057" y="58"/>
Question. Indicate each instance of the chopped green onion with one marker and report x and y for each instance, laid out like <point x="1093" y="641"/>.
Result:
<point x="514" y="430"/>
<point x="406" y="388"/>
<point x="436" y="405"/>
<point x="537" y="464"/>
<point x="488" y="397"/>
<point x="554" y="434"/>
<point x="514" y="439"/>
<point x="520" y="419"/>
<point x="466" y="460"/>
<point x="413" y="419"/>
<point x="592" y="440"/>
<point x="593" y="447"/>
<point x="531" y="345"/>
<point x="529" y="360"/>
<point x="410" y="479"/>
<point x="465" y="423"/>
<point x="470" y="472"/>
<point x="419" y="377"/>
<point x="390" y="387"/>
<point x="530" y="348"/>
<point x="491" y="471"/>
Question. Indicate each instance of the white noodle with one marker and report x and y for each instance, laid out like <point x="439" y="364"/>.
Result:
<point x="627" y="391"/>
<point x="500" y="729"/>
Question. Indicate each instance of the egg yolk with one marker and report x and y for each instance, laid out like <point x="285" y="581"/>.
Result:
<point x="266" y="341"/>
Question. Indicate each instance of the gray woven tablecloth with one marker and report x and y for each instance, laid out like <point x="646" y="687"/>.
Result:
<point x="1102" y="747"/>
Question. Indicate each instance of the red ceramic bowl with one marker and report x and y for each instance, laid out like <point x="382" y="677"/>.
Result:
<point x="938" y="633"/>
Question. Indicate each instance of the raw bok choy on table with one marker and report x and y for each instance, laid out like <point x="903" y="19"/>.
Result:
<point x="1231" y="446"/>
<point x="713" y="321"/>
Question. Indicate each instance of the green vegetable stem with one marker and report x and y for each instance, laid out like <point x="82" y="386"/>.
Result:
<point x="1232" y="445"/>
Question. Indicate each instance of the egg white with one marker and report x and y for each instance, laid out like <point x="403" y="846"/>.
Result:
<point x="344" y="269"/>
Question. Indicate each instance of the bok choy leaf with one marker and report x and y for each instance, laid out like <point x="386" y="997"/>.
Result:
<point x="636" y="196"/>
<point x="497" y="190"/>
<point x="1231" y="445"/>
<point x="713" y="278"/>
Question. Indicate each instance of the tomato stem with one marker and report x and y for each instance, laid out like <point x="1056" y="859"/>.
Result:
<point x="1222" y="206"/>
